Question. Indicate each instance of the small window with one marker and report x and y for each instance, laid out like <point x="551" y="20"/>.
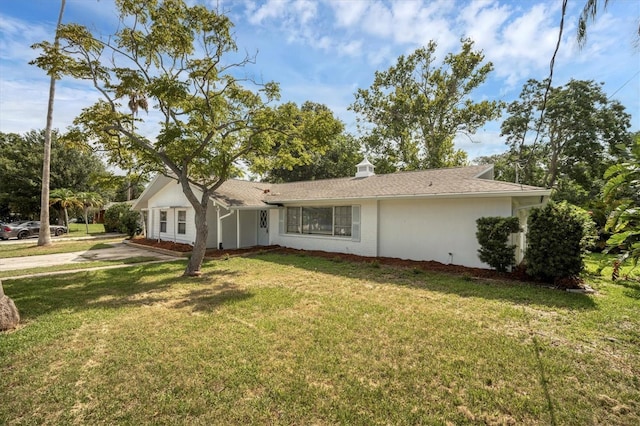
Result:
<point x="182" y="221"/>
<point x="163" y="221"/>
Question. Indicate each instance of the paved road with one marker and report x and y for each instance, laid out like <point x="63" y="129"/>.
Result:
<point x="118" y="252"/>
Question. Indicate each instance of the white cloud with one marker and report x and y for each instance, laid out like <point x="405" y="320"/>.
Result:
<point x="351" y="48"/>
<point x="348" y="13"/>
<point x="305" y="9"/>
<point x="482" y="21"/>
<point x="270" y="10"/>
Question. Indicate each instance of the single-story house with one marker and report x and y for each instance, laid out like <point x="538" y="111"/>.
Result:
<point x="417" y="215"/>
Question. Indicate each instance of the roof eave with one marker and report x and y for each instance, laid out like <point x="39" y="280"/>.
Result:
<point x="488" y="194"/>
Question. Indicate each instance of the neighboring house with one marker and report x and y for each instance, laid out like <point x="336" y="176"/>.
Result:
<point x="418" y="215"/>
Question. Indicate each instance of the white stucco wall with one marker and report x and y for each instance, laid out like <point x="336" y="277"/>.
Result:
<point x="249" y="228"/>
<point x="170" y="199"/>
<point x="430" y="229"/>
<point x="365" y="247"/>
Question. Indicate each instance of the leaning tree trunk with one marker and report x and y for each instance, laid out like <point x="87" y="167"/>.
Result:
<point x="200" y="245"/>
<point x="9" y="316"/>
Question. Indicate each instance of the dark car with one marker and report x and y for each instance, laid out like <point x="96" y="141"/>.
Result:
<point x="27" y="229"/>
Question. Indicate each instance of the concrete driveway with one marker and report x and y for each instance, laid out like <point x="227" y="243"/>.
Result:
<point x="118" y="252"/>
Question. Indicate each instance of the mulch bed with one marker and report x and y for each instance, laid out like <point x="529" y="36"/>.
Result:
<point x="424" y="265"/>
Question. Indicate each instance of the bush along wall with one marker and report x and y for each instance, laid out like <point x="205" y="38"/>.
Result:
<point x="493" y="236"/>
<point x="120" y="218"/>
<point x="555" y="244"/>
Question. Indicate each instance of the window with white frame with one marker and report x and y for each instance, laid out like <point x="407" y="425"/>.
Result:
<point x="334" y="221"/>
<point x="163" y="221"/>
<point x="182" y="221"/>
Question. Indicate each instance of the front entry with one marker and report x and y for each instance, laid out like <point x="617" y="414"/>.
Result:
<point x="263" y="228"/>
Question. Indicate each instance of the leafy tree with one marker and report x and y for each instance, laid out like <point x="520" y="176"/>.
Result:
<point x="574" y="137"/>
<point x="120" y="218"/>
<point x="181" y="61"/>
<point x="21" y="165"/>
<point x="622" y="193"/>
<point x="44" y="236"/>
<point x="412" y="111"/>
<point x="339" y="161"/>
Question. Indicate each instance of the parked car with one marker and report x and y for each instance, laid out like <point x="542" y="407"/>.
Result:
<point x="27" y="229"/>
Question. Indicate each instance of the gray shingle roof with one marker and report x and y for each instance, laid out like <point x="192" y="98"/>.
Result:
<point x="242" y="193"/>
<point x="459" y="181"/>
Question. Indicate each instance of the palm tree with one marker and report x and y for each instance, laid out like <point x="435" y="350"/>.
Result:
<point x="621" y="192"/>
<point x="44" y="237"/>
<point x="89" y="200"/>
<point x="589" y="13"/>
<point x="65" y="198"/>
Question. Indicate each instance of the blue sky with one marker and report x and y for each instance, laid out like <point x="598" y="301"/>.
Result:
<point x="323" y="51"/>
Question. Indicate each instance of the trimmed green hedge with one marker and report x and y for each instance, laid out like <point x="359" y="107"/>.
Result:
<point x="493" y="236"/>
<point x="556" y="241"/>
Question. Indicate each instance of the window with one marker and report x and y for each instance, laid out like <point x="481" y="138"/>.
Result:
<point x="163" y="221"/>
<point x="317" y="220"/>
<point x="342" y="221"/>
<point x="293" y="220"/>
<point x="182" y="221"/>
<point x="334" y="221"/>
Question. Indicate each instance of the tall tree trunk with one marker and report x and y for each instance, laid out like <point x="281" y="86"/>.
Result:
<point x="86" y="218"/>
<point x="44" y="236"/>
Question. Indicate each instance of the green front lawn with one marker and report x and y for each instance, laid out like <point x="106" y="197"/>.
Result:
<point x="80" y="229"/>
<point x="291" y="339"/>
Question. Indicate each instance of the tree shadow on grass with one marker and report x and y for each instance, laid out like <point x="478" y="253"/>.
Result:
<point x="632" y="289"/>
<point x="209" y="298"/>
<point x="516" y="292"/>
<point x="142" y="285"/>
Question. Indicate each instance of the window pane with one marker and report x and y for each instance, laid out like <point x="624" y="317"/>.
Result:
<point x="182" y="228"/>
<point x="163" y="221"/>
<point x="293" y="220"/>
<point x="182" y="215"/>
<point x="342" y="221"/>
<point x="317" y="220"/>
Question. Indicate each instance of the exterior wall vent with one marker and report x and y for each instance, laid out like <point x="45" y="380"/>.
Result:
<point x="364" y="169"/>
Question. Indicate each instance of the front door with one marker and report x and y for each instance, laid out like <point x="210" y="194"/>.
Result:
<point x="263" y="228"/>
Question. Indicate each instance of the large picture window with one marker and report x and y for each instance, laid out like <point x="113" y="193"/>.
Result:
<point x="182" y="221"/>
<point x="335" y="221"/>
<point x="163" y="221"/>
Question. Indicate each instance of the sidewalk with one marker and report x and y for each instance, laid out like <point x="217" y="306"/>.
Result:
<point x="118" y="252"/>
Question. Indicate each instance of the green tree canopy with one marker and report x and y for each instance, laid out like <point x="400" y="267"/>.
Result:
<point x="21" y="167"/>
<point x="570" y="146"/>
<point x="412" y="111"/>
<point x="339" y="160"/>
<point x="203" y="117"/>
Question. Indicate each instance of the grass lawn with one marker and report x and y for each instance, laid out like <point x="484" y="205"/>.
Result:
<point x="293" y="339"/>
<point x="80" y="229"/>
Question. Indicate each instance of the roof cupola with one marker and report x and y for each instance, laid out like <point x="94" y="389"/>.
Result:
<point x="364" y="169"/>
